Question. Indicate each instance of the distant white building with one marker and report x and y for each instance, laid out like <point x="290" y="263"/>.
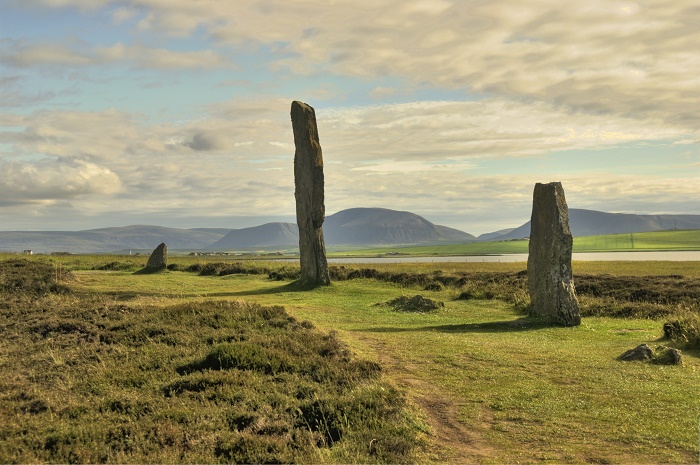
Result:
<point x="28" y="252"/>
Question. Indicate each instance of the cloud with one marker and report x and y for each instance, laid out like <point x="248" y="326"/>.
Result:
<point x="144" y="57"/>
<point x="206" y="142"/>
<point x="73" y="134"/>
<point x="12" y="95"/>
<point x="413" y="167"/>
<point x="623" y="58"/>
<point x="55" y="180"/>
<point x="495" y="128"/>
<point x="628" y="59"/>
<point x="24" y="54"/>
<point x="21" y="54"/>
<point x="236" y="159"/>
<point x="485" y="203"/>
<point x="81" y="4"/>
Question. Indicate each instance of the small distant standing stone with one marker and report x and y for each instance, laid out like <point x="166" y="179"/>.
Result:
<point x="549" y="274"/>
<point x="309" y="194"/>
<point x="159" y="258"/>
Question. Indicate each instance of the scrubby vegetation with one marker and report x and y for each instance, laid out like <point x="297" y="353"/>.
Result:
<point x="88" y="379"/>
<point x="25" y="277"/>
<point x="684" y="329"/>
<point x="98" y="364"/>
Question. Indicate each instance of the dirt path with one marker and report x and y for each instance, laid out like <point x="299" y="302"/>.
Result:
<point x="453" y="442"/>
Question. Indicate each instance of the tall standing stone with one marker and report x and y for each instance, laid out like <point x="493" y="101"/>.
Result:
<point x="549" y="274"/>
<point x="309" y="194"/>
<point x="159" y="258"/>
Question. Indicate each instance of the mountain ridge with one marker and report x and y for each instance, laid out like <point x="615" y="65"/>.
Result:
<point x="584" y="222"/>
<point x="356" y="227"/>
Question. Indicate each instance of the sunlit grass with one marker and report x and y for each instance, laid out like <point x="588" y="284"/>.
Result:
<point x="532" y="392"/>
<point x="522" y="392"/>
<point x="644" y="241"/>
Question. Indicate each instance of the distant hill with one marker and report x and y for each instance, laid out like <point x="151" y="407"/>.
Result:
<point x="266" y="235"/>
<point x="108" y="239"/>
<point x="372" y="226"/>
<point x="492" y="236"/>
<point x="219" y="231"/>
<point x="356" y="226"/>
<point x="594" y="223"/>
<point x="453" y="235"/>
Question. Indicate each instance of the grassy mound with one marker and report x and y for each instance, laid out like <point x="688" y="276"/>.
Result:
<point x="417" y="303"/>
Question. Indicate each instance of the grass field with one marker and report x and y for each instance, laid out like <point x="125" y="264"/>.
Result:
<point x="646" y="241"/>
<point x="474" y="381"/>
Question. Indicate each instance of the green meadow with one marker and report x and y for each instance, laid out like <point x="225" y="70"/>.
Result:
<point x="231" y="362"/>
<point x="645" y="241"/>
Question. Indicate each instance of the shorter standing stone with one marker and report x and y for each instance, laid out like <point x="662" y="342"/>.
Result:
<point x="159" y="258"/>
<point x="549" y="274"/>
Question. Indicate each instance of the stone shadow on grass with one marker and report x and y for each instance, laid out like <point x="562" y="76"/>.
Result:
<point x="290" y="287"/>
<point x="521" y="324"/>
<point x="151" y="270"/>
<point x="294" y="286"/>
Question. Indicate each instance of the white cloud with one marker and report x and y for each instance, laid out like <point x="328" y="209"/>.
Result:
<point x="434" y="131"/>
<point x="413" y="167"/>
<point x="636" y="60"/>
<point x="144" y="57"/>
<point x="55" y="180"/>
<point x="237" y="159"/>
<point x="73" y="134"/>
<point x="631" y="59"/>
<point x="23" y="54"/>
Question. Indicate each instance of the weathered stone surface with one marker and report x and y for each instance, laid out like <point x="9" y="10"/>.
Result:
<point x="641" y="352"/>
<point x="309" y="194"/>
<point x="549" y="273"/>
<point x="667" y="356"/>
<point x="662" y="355"/>
<point x="159" y="258"/>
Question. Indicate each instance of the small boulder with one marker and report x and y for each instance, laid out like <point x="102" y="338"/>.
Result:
<point x="667" y="356"/>
<point x="641" y="352"/>
<point x="662" y="355"/>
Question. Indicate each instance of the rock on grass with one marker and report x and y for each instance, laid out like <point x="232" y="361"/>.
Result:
<point x="662" y="355"/>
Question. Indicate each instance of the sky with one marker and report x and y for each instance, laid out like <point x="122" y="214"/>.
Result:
<point x="176" y="112"/>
